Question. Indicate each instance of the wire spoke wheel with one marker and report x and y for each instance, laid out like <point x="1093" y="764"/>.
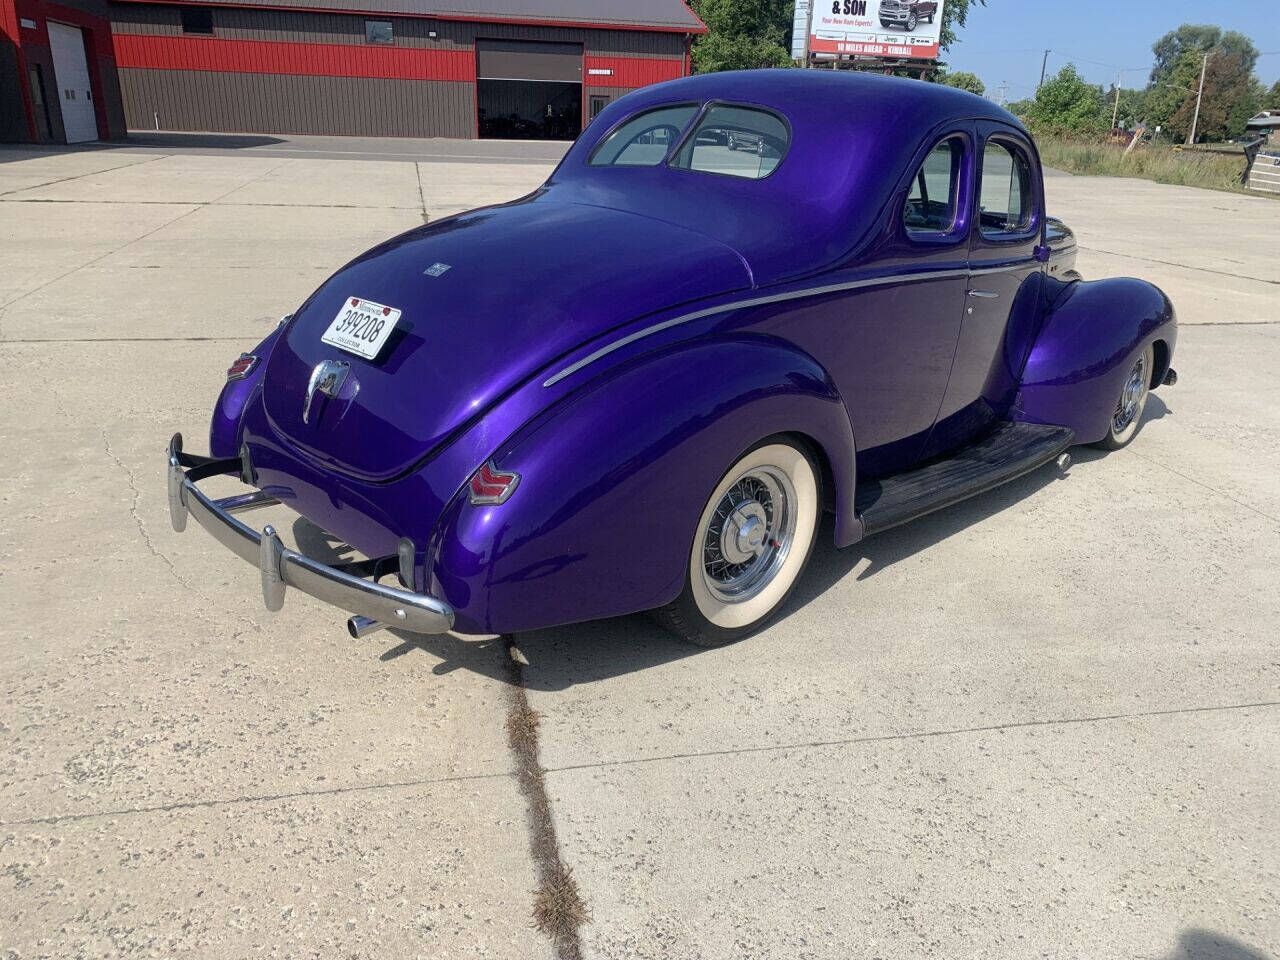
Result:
<point x="750" y="544"/>
<point x="750" y="533"/>
<point x="1131" y="402"/>
<point x="1129" y="405"/>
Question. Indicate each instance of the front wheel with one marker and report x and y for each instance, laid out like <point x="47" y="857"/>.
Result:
<point x="751" y="543"/>
<point x="913" y="21"/>
<point x="1130" y="404"/>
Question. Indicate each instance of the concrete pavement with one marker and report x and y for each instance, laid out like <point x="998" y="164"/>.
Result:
<point x="363" y="149"/>
<point x="1044" y="722"/>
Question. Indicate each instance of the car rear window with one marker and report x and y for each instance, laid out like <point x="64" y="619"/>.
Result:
<point x="645" y="139"/>
<point x="735" y="142"/>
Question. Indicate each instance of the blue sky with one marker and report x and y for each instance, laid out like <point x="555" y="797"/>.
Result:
<point x="1005" y="40"/>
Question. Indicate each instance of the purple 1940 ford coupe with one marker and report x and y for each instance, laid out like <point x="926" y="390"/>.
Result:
<point x="639" y="387"/>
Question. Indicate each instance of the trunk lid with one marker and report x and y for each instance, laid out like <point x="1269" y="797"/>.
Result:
<point x="487" y="299"/>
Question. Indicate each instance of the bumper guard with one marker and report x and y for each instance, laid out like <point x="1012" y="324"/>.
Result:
<point x="347" y="587"/>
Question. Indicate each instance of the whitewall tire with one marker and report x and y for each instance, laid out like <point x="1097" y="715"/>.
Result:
<point x="751" y="543"/>
<point x="1132" y="401"/>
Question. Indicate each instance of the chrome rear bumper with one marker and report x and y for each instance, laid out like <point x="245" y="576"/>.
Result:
<point x="344" y="587"/>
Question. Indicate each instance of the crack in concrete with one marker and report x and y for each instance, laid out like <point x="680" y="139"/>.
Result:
<point x="262" y="798"/>
<point x="136" y="495"/>
<point x="80" y="176"/>
<point x="219" y="202"/>
<point x="195" y="207"/>
<point x="1198" y="483"/>
<point x="99" y="259"/>
<point x="558" y="908"/>
<point x="1184" y="266"/>
<point x="428" y="781"/>
<point x="917" y="735"/>
<point x="422" y="195"/>
<point x="247" y="338"/>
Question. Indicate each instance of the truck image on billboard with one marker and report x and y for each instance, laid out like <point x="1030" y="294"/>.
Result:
<point x="877" y="28"/>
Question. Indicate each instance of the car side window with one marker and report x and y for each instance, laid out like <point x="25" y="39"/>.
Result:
<point x="935" y="191"/>
<point x="1005" y="199"/>
<point x="643" y="141"/>
<point x="735" y="142"/>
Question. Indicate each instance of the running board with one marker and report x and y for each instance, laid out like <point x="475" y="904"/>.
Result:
<point x="1012" y="450"/>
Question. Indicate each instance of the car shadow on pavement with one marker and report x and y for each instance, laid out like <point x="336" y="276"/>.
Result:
<point x="563" y="657"/>
<point x="1195" y="944"/>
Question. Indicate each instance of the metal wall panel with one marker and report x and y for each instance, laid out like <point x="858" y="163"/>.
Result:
<point x="298" y="27"/>
<point x="281" y="70"/>
<point x="528" y="60"/>
<point x="627" y="14"/>
<point x="275" y="103"/>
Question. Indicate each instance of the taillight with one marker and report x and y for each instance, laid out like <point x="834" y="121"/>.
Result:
<point x="242" y="367"/>
<point x="491" y="485"/>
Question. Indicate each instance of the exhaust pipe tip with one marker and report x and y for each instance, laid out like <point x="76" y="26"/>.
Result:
<point x="1064" y="462"/>
<point x="360" y="627"/>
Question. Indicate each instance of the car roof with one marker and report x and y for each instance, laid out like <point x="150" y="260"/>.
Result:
<point x="852" y="136"/>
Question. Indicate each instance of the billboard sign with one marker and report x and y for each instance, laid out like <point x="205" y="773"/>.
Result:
<point x="876" y="28"/>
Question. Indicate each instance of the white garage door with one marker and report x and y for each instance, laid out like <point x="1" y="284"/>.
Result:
<point x="71" y="76"/>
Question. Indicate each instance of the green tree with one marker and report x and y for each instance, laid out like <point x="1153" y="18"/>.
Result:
<point x="1067" y="102"/>
<point x="1200" y="39"/>
<point x="1166" y="97"/>
<point x="964" y="81"/>
<point x="1020" y="108"/>
<point x="1132" y="109"/>
<point x="742" y="34"/>
<point x="1271" y="99"/>
<point x="1229" y="94"/>
<point x="954" y="15"/>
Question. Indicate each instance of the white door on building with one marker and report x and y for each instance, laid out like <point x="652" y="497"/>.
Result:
<point x="71" y="77"/>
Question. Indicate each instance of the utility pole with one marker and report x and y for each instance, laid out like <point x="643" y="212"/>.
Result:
<point x="1000" y="93"/>
<point x="1115" y="111"/>
<point x="1200" y="93"/>
<point x="1043" y="63"/>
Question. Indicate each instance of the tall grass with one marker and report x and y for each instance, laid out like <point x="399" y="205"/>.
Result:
<point x="1159" y="162"/>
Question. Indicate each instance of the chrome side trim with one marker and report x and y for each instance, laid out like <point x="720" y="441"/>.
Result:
<point x="242" y="503"/>
<point x="775" y="298"/>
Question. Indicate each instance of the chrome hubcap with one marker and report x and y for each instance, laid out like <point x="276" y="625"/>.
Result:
<point x="749" y="534"/>
<point x="1129" y="406"/>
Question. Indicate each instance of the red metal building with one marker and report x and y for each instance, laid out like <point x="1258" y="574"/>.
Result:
<point x="58" y="78"/>
<point x="467" y="68"/>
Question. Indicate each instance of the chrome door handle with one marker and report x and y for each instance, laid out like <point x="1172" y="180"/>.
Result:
<point x="984" y="294"/>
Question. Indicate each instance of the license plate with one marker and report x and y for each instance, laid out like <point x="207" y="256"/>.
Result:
<point x="361" y="327"/>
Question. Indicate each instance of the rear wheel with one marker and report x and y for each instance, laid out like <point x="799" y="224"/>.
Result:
<point x="1130" y="404"/>
<point x="732" y="144"/>
<point x="752" y="541"/>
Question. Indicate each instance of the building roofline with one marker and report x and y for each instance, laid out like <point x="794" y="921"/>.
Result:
<point x="355" y="9"/>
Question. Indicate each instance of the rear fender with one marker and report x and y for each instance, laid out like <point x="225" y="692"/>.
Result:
<point x="614" y="477"/>
<point x="224" y="429"/>
<point x="1087" y="345"/>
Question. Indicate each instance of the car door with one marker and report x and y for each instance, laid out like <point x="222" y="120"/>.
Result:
<point x="1004" y="292"/>
<point x="892" y="366"/>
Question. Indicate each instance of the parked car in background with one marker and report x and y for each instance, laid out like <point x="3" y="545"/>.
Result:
<point x="906" y="14"/>
<point x="640" y="387"/>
